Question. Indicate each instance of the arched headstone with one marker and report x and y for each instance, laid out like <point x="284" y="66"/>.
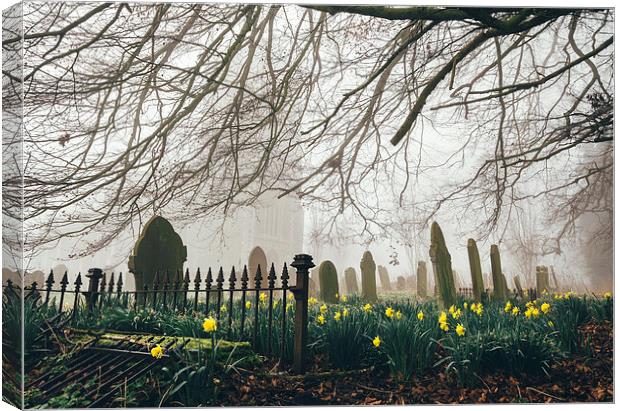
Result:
<point x="158" y="250"/>
<point x="258" y="257"/>
<point x="384" y="278"/>
<point x="350" y="279"/>
<point x="36" y="276"/>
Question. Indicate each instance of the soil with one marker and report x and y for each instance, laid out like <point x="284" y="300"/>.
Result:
<point x="579" y="379"/>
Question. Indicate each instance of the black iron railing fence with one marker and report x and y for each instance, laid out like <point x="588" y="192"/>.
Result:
<point x="206" y="296"/>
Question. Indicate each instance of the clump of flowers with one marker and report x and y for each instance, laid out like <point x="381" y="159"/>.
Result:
<point x="508" y="306"/>
<point x="312" y="301"/>
<point x="323" y="309"/>
<point x="343" y="298"/>
<point x="479" y="310"/>
<point x="476" y="308"/>
<point x="367" y="307"/>
<point x="532" y="312"/>
<point x="263" y="297"/>
<point x="443" y="321"/>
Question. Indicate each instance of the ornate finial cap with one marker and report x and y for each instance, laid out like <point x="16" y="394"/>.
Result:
<point x="302" y="260"/>
<point x="94" y="273"/>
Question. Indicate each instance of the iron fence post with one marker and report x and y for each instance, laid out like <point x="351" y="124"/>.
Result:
<point x="94" y="275"/>
<point x="302" y="264"/>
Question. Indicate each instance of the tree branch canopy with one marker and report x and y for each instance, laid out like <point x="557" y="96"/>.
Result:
<point x="157" y="108"/>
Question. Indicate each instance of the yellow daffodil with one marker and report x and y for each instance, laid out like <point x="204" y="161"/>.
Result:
<point x="289" y="306"/>
<point x="345" y="312"/>
<point x="312" y="301"/>
<point x="248" y="305"/>
<point x="452" y="309"/>
<point x="263" y="297"/>
<point x="337" y="296"/>
<point x="398" y="315"/>
<point x="460" y="330"/>
<point x="376" y="342"/>
<point x="291" y="296"/>
<point x="545" y="307"/>
<point x="550" y="323"/>
<point x="157" y="352"/>
<point x="389" y="312"/>
<point x="465" y="305"/>
<point x="508" y="306"/>
<point x="443" y="317"/>
<point x="323" y="309"/>
<point x="320" y="319"/>
<point x="456" y="313"/>
<point x="473" y="307"/>
<point x="343" y="298"/>
<point x="223" y="309"/>
<point x="367" y="307"/>
<point x="420" y="315"/>
<point x="337" y="316"/>
<point x="515" y="310"/>
<point x="209" y="324"/>
<point x="444" y="326"/>
<point x="607" y="295"/>
<point x="479" y="310"/>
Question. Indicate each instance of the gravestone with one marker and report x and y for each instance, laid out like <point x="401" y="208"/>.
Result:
<point x="422" y="280"/>
<point x="36" y="276"/>
<point x="258" y="258"/>
<point x="312" y="288"/>
<point x="158" y="250"/>
<point x="369" y="282"/>
<point x="442" y="267"/>
<point x="401" y="283"/>
<point x="475" y="269"/>
<point x="350" y="279"/>
<point x="411" y="282"/>
<point x="384" y="278"/>
<point x="328" y="280"/>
